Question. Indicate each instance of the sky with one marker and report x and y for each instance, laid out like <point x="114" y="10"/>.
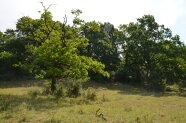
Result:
<point x="171" y="13"/>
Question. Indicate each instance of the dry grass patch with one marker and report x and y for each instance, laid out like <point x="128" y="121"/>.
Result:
<point x="118" y="102"/>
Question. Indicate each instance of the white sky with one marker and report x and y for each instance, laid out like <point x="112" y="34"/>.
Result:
<point x="171" y="13"/>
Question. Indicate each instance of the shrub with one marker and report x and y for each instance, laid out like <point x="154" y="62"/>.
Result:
<point x="46" y="88"/>
<point x="66" y="87"/>
<point x="182" y="83"/>
<point x="59" y="92"/>
<point x="90" y="94"/>
<point x="74" y="87"/>
<point x="157" y="85"/>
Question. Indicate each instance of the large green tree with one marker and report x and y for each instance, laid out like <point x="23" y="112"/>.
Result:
<point x="12" y="51"/>
<point x="103" y="44"/>
<point x="149" y="53"/>
<point x="54" y="50"/>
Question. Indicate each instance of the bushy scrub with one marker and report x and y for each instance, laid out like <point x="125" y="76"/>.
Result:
<point x="46" y="88"/>
<point x="74" y="87"/>
<point x="157" y="85"/>
<point x="65" y="88"/>
<point x="90" y="94"/>
<point x="59" y="92"/>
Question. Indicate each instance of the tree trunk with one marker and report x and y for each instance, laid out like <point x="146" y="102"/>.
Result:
<point x="53" y="84"/>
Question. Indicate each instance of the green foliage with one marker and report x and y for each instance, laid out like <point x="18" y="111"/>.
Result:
<point x="12" y="51"/>
<point x="46" y="88"/>
<point x="90" y="94"/>
<point x="64" y="88"/>
<point x="54" y="51"/>
<point x="103" y="43"/>
<point x="157" y="85"/>
<point x="150" y="54"/>
<point x="59" y="92"/>
<point x="5" y="55"/>
<point x="143" y="52"/>
<point x="74" y="88"/>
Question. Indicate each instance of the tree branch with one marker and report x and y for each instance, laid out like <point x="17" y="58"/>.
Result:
<point x="100" y="115"/>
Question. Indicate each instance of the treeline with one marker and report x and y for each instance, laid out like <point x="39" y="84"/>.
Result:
<point x="143" y="52"/>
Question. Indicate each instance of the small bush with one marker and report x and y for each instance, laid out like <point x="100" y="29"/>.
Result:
<point x="90" y="94"/>
<point x="157" y="85"/>
<point x="46" y="88"/>
<point x="59" y="92"/>
<point x="66" y="87"/>
<point x="74" y="88"/>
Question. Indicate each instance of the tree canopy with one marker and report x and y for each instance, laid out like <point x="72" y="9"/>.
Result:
<point x="142" y="52"/>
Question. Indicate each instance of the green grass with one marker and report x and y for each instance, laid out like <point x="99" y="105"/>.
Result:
<point x="118" y="102"/>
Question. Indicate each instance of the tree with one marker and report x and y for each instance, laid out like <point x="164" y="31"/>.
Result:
<point x="102" y="44"/>
<point x="12" y="51"/>
<point x="56" y="55"/>
<point x="149" y="53"/>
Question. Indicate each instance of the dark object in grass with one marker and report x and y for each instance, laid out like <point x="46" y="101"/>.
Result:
<point x="100" y="115"/>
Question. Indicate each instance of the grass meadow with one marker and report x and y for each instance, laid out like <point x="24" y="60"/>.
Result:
<point x="23" y="101"/>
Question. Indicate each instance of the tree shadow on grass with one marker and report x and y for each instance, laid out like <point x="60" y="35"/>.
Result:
<point x="127" y="89"/>
<point x="41" y="103"/>
<point x="21" y="83"/>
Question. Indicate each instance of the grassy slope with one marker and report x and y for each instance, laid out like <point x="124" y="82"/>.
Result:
<point x="119" y="103"/>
